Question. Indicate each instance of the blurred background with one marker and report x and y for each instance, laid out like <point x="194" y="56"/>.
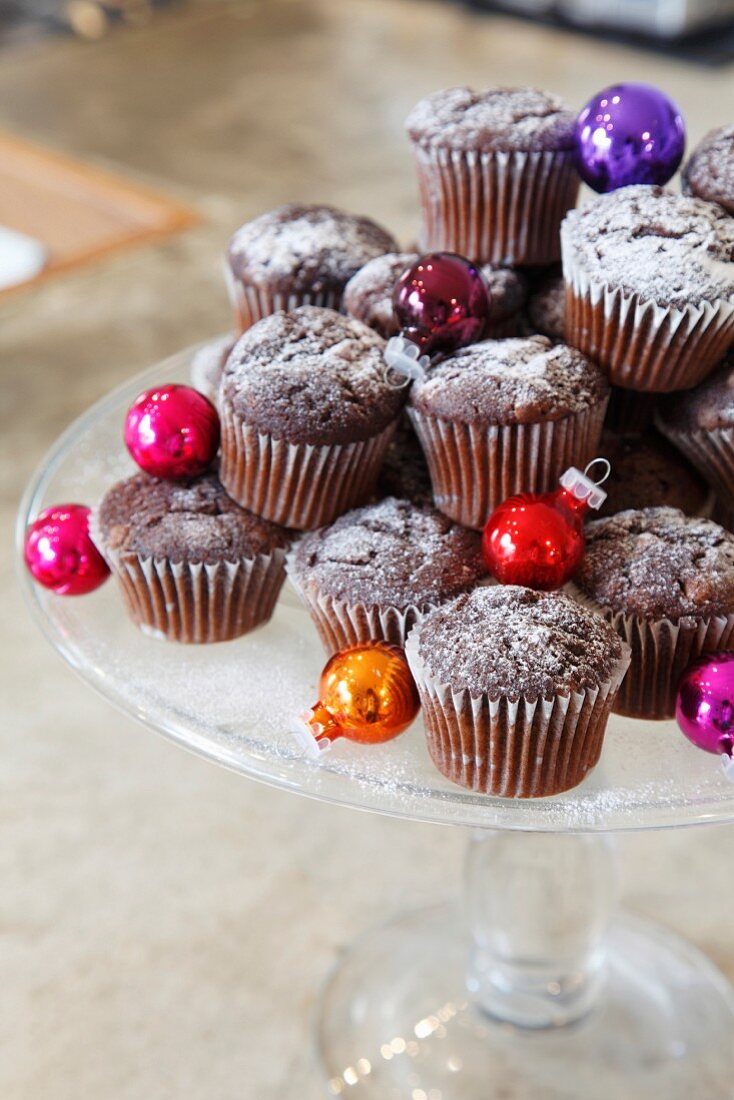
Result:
<point x="164" y="925"/>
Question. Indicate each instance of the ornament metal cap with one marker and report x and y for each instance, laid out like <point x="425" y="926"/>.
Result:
<point x="582" y="487"/>
<point x="404" y="359"/>
<point x="310" y="734"/>
<point x="727" y="766"/>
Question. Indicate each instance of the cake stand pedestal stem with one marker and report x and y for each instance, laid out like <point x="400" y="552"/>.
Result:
<point x="539" y="909"/>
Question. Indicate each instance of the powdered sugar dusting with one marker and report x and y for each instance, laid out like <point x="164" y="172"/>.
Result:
<point x="659" y="563"/>
<point x="311" y="376"/>
<point x="191" y="520"/>
<point x="507" y="640"/>
<point x="672" y="249"/>
<point x="310" y="247"/>
<point x="391" y="554"/>
<point x="500" y="118"/>
<point x="515" y="381"/>
<point x="368" y="294"/>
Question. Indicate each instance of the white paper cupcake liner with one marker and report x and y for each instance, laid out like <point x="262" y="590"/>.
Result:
<point x="711" y="452"/>
<point x="474" y="467"/>
<point x="252" y="303"/>
<point x="298" y="485"/>
<point x="495" y="207"/>
<point x="513" y="748"/>
<point x="660" y="651"/>
<point x="341" y="624"/>
<point x="642" y="345"/>
<point x="193" y="602"/>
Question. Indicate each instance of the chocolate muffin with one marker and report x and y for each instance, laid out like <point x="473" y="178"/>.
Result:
<point x="377" y="569"/>
<point x="709" y="171"/>
<point x="369" y="294"/>
<point x="665" y="582"/>
<point x="701" y="424"/>
<point x="516" y="688"/>
<point x="207" y="366"/>
<point x="647" y="471"/>
<point x="192" y="566"/>
<point x="547" y="306"/>
<point x="404" y="472"/>
<point x="298" y="255"/>
<point x="306" y="416"/>
<point x="496" y="171"/>
<point x="650" y="286"/>
<point x="504" y="417"/>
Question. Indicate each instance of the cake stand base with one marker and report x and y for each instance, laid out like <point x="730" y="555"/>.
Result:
<point x="398" y="1022"/>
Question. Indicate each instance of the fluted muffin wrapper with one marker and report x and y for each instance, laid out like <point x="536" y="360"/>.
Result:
<point x="298" y="485"/>
<point x="341" y="623"/>
<point x="251" y="303"/>
<point x="661" y="649"/>
<point x="641" y="344"/>
<point x="194" y="602"/>
<point x="495" y="207"/>
<point x="513" y="747"/>
<point x="474" y="467"/>
<point x="711" y="452"/>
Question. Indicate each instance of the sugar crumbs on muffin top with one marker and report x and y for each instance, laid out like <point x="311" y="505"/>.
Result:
<point x="311" y="376"/>
<point x="709" y="172"/>
<point x="672" y="249"/>
<point x="191" y="520"/>
<point x="393" y="554"/>
<point x="500" y="119"/>
<point x="515" y="381"/>
<point x="659" y="564"/>
<point x="507" y="640"/>
<point x="300" y="248"/>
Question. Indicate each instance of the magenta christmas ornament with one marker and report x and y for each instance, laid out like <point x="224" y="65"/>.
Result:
<point x="172" y="432"/>
<point x="60" y="554"/>
<point x="629" y="133"/>
<point x="704" y="706"/>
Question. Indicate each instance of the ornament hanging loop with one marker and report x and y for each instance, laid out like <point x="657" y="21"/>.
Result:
<point x="403" y="362"/>
<point x="606" y="464"/>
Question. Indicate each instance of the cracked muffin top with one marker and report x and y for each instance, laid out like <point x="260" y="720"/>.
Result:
<point x="310" y="376"/>
<point x="659" y="564"/>
<point x="671" y="249"/>
<point x="517" y="381"/>
<point x="391" y="553"/>
<point x="499" y="119"/>
<point x="299" y="248"/>
<point x="509" y="640"/>
<point x="192" y="520"/>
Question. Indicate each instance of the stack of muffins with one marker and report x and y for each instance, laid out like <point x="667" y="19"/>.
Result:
<point x="372" y="498"/>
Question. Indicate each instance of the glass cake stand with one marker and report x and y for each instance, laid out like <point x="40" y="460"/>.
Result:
<point x="534" y="986"/>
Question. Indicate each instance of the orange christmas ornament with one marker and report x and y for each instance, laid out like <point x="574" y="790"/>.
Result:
<point x="366" y="694"/>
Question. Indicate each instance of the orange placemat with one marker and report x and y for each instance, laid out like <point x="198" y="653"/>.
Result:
<point x="78" y="212"/>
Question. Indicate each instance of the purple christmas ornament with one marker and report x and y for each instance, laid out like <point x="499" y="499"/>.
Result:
<point x="629" y="133"/>
<point x="704" y="705"/>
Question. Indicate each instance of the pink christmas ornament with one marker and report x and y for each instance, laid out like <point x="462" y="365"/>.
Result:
<point x="172" y="432"/>
<point x="704" y="706"/>
<point x="60" y="554"/>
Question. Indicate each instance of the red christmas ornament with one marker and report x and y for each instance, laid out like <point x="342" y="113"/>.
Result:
<point x="537" y="539"/>
<point x="172" y="432"/>
<point x="60" y="554"/>
<point x="441" y="303"/>
<point x="366" y="694"/>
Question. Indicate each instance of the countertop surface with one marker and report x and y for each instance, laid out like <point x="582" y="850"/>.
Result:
<point x="165" y="926"/>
